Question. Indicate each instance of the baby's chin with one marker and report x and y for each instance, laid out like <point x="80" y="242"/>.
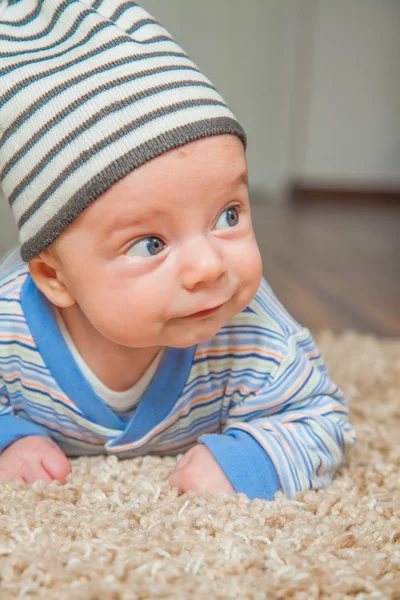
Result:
<point x="198" y="331"/>
<point x="174" y="335"/>
<point x="192" y="339"/>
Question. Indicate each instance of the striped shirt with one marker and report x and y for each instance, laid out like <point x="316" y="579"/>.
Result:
<point x="257" y="394"/>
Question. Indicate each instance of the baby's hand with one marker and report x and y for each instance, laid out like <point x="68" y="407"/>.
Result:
<point x="31" y="458"/>
<point x="198" y="471"/>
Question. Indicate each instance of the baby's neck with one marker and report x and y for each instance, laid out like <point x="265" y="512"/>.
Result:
<point x="118" y="367"/>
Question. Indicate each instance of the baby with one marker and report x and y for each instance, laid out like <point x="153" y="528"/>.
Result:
<point x="133" y="317"/>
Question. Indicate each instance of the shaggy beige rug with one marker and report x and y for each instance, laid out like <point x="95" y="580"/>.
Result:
<point x="117" y="531"/>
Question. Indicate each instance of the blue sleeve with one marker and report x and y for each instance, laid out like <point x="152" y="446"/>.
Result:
<point x="245" y="463"/>
<point x="12" y="428"/>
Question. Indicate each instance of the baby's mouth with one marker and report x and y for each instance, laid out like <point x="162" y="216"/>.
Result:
<point x="204" y="313"/>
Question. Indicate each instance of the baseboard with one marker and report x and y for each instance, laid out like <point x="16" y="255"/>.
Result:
<point x="301" y="192"/>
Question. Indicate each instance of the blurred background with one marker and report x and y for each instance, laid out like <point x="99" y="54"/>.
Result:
<point x="316" y="85"/>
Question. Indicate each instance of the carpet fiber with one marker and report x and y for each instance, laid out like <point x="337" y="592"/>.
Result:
<point x="117" y="531"/>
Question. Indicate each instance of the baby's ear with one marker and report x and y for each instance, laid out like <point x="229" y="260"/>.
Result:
<point x="46" y="272"/>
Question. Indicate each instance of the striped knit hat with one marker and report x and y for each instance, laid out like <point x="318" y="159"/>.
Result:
<point x="90" y="90"/>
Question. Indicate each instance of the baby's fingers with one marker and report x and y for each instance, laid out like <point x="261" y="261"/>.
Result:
<point x="26" y="470"/>
<point x="175" y="480"/>
<point x="56" y="464"/>
<point x="36" y="472"/>
<point x="11" y="475"/>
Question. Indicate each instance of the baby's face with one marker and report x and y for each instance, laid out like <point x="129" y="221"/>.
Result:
<point x="172" y="239"/>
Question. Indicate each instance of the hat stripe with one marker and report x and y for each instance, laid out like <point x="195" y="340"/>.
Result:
<point x="72" y="85"/>
<point x="78" y="102"/>
<point x="13" y="66"/>
<point x="29" y="17"/>
<point x="74" y="28"/>
<point x="141" y="24"/>
<point x="86" y="154"/>
<point x="94" y="121"/>
<point x="121" y="10"/>
<point x="22" y="84"/>
<point x="85" y="12"/>
<point x="81" y="97"/>
<point x="21" y="39"/>
<point x="86" y="74"/>
<point x="153" y="40"/>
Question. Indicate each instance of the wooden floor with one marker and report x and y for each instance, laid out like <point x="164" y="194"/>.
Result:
<point x="334" y="266"/>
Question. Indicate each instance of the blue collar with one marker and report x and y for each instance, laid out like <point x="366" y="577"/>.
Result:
<point x="156" y="403"/>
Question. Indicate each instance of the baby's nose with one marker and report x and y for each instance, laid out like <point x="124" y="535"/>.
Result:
<point x="203" y="263"/>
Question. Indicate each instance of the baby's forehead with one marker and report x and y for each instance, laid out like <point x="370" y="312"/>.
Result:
<point x="194" y="175"/>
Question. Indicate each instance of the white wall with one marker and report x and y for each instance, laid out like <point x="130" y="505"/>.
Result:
<point x="8" y="229"/>
<point x="348" y="125"/>
<point x="246" y="49"/>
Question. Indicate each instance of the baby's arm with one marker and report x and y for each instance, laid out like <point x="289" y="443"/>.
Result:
<point x="289" y="436"/>
<point x="26" y="452"/>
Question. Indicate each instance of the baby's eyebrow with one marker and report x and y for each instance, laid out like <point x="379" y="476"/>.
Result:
<point x="242" y="178"/>
<point x="134" y="219"/>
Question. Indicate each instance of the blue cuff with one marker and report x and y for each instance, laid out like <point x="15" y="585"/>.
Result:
<point x="245" y="463"/>
<point x="13" y="428"/>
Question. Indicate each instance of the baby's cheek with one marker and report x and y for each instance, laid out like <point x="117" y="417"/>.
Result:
<point x="130" y="332"/>
<point x="125" y="320"/>
<point x="251" y="267"/>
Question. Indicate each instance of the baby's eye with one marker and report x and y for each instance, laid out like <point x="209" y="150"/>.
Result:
<point x="148" y="247"/>
<point x="230" y="218"/>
